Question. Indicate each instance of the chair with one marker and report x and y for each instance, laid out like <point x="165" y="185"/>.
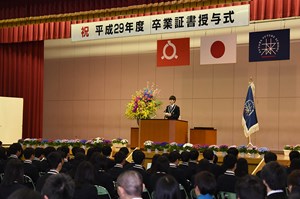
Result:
<point x="102" y="192"/>
<point x="146" y="194"/>
<point x="183" y="192"/>
<point x="226" y="195"/>
<point x="193" y="194"/>
<point x="29" y="182"/>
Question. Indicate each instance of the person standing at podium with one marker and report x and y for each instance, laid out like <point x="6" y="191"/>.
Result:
<point x="172" y="111"/>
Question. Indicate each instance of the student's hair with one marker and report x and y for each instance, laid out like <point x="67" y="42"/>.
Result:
<point x="154" y="163"/>
<point x="208" y="154"/>
<point x="138" y="156"/>
<point x="14" y="148"/>
<point x="293" y="155"/>
<point x="85" y="173"/>
<point x="28" y="152"/>
<point x="241" y="167"/>
<point x="206" y="182"/>
<point x="38" y="152"/>
<point x="173" y="156"/>
<point x="106" y="150"/>
<point x="203" y="165"/>
<point x="274" y="175"/>
<point x="172" y="97"/>
<point x="294" y="181"/>
<point x="229" y="161"/>
<point x="48" y="150"/>
<point x="99" y="161"/>
<point x="25" y="193"/>
<point x="249" y="187"/>
<point x="167" y="188"/>
<point x="53" y="159"/>
<point x="185" y="156"/>
<point x="132" y="183"/>
<point x="65" y="151"/>
<point x="162" y="164"/>
<point x="13" y="172"/>
<point x="119" y="157"/>
<point x="295" y="164"/>
<point x="3" y="155"/>
<point x="59" y="186"/>
<point x="270" y="156"/>
<point x="124" y="150"/>
<point x="194" y="154"/>
<point x="233" y="151"/>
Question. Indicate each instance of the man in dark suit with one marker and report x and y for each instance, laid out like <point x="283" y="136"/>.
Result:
<point x="118" y="168"/>
<point x="274" y="177"/>
<point x="226" y="182"/>
<point x="172" y="111"/>
<point x="215" y="169"/>
<point x="30" y="169"/>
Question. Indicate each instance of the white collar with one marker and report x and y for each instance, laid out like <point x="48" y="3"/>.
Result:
<point x="274" y="191"/>
<point x="28" y="161"/>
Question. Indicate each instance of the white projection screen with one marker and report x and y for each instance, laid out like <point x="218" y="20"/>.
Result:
<point x="11" y="119"/>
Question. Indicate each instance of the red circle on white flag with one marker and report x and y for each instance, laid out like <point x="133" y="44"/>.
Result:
<point x="217" y="49"/>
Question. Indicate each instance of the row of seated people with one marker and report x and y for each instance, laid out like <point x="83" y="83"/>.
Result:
<point x="226" y="175"/>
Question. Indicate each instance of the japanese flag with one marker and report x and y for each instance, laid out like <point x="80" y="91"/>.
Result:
<point x="219" y="49"/>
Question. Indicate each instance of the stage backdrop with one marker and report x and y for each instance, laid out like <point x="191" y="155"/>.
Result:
<point x="88" y="84"/>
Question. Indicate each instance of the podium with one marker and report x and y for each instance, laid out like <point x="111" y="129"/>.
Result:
<point x="161" y="130"/>
<point x="203" y="136"/>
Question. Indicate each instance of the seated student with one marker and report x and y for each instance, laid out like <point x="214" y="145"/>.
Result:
<point x="153" y="167"/>
<point x="193" y="163"/>
<point x="293" y="182"/>
<point x="274" y="177"/>
<point x="55" y="162"/>
<point x="30" y="169"/>
<point x="138" y="158"/>
<point x="269" y="156"/>
<point x="126" y="152"/>
<point x="226" y="181"/>
<point x="205" y="185"/>
<point x="130" y="185"/>
<point x="120" y="159"/>
<point x="233" y="151"/>
<point x="167" y="188"/>
<point x="84" y="181"/>
<point x="13" y="178"/>
<point x="66" y="155"/>
<point x="60" y="186"/>
<point x="241" y="169"/>
<point x="213" y="168"/>
<point x="79" y="157"/>
<point x="38" y="156"/>
<point x="3" y="158"/>
<point x="250" y="187"/>
<point x="162" y="168"/>
<point x="106" y="151"/>
<point x="184" y="165"/>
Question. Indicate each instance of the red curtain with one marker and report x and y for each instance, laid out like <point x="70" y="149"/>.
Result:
<point x="22" y="75"/>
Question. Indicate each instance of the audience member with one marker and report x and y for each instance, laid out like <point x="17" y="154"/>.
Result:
<point x="66" y="155"/>
<point x="153" y="167"/>
<point x="55" y="162"/>
<point x="250" y="187"/>
<point x="126" y="152"/>
<point x="226" y="182"/>
<point x="106" y="151"/>
<point x="293" y="182"/>
<point x="184" y="165"/>
<point x="84" y="181"/>
<point x="79" y="157"/>
<point x="0" y="143"/>
<point x="274" y="177"/>
<point x="13" y="178"/>
<point x="269" y="156"/>
<point x="60" y="186"/>
<point x="294" y="165"/>
<point x="39" y="155"/>
<point x="3" y="158"/>
<point x="30" y="169"/>
<point x="44" y="163"/>
<point x="25" y="193"/>
<point x="205" y="185"/>
<point x="233" y="151"/>
<point x="130" y="185"/>
<point x="14" y="151"/>
<point x="167" y="188"/>
<point x="193" y="163"/>
<point x="213" y="168"/>
<point x="241" y="169"/>
<point x="120" y="159"/>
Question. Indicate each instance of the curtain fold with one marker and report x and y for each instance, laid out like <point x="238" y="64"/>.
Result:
<point x="22" y="75"/>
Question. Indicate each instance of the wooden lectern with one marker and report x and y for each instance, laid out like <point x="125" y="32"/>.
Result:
<point x="160" y="130"/>
<point x="203" y="136"/>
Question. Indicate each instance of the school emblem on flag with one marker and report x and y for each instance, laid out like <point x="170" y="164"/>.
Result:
<point x="269" y="45"/>
<point x="173" y="52"/>
<point x="249" y="119"/>
<point x="218" y="49"/>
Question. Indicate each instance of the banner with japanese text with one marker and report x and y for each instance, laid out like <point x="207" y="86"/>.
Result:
<point x="165" y="23"/>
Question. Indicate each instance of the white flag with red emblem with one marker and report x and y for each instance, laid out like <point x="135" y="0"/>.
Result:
<point x="219" y="49"/>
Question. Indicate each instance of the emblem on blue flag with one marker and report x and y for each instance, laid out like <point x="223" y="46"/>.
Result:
<point x="249" y="119"/>
<point x="269" y="45"/>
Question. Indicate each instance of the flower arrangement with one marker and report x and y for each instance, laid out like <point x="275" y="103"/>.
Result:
<point x="296" y="148"/>
<point x="262" y="150"/>
<point x="148" y="144"/>
<point x="188" y="147"/>
<point x="120" y="141"/>
<point x="201" y="148"/>
<point x="288" y="147"/>
<point x="215" y="148"/>
<point x="144" y="103"/>
<point x="173" y="146"/>
<point x="157" y="146"/>
<point x="242" y="149"/>
<point x="252" y="150"/>
<point x="223" y="148"/>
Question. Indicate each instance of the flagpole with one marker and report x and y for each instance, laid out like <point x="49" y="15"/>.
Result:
<point x="249" y="137"/>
